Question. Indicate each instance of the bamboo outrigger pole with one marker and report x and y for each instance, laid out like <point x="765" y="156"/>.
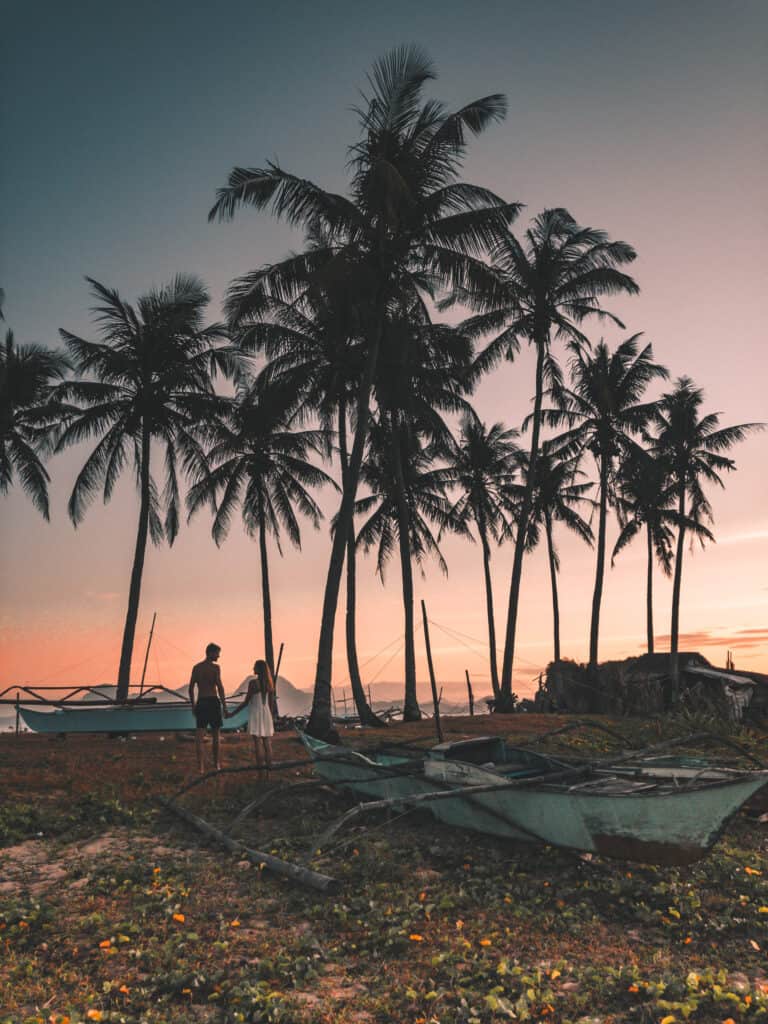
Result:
<point x="146" y="655"/>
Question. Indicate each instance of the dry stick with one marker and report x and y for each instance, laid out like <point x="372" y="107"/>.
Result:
<point x="435" y="701"/>
<point x="304" y="876"/>
<point x="494" y="787"/>
<point x="469" y="691"/>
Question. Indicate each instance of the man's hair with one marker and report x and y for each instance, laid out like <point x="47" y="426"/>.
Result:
<point x="213" y="649"/>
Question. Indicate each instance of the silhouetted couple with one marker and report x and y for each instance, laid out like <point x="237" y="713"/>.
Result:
<point x="206" y="695"/>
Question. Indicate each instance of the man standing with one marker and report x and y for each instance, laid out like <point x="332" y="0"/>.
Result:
<point x="207" y="703"/>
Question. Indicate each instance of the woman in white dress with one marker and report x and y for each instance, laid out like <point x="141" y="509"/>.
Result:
<point x="260" y="689"/>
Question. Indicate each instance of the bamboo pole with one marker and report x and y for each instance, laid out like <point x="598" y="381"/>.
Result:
<point x="304" y="876"/>
<point x="146" y="653"/>
<point x="469" y="691"/>
<point x="435" y="700"/>
<point x="275" y="711"/>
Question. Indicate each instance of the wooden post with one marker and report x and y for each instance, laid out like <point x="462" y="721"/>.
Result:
<point x="435" y="700"/>
<point x="17" y="712"/>
<point x="275" y="711"/>
<point x="146" y="654"/>
<point x="469" y="691"/>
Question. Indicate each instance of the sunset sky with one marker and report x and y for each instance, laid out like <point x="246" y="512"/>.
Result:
<point x="120" y="121"/>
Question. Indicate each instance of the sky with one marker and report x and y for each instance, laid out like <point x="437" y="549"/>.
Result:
<point x="119" y="123"/>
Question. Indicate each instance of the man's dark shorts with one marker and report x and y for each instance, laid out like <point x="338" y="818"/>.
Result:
<point x="208" y="713"/>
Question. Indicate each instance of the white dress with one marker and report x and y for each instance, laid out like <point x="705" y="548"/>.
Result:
<point x="259" y="713"/>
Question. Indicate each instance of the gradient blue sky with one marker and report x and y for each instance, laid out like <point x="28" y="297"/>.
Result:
<point x="120" y="120"/>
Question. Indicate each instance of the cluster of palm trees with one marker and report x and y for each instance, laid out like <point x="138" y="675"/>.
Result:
<point x="335" y="352"/>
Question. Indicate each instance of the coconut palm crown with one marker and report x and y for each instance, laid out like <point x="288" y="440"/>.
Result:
<point x="29" y="415"/>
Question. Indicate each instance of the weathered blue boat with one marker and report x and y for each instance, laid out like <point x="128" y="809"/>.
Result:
<point x="165" y="716"/>
<point x="660" y="814"/>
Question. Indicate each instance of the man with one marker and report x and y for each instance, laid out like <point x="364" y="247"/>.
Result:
<point x="206" y="695"/>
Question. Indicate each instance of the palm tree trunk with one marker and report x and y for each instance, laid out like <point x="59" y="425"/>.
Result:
<point x="134" y="591"/>
<point x="674" y="661"/>
<point x="506" y="704"/>
<point x="320" y="723"/>
<point x="365" y="714"/>
<point x="553" y="577"/>
<point x="594" y="630"/>
<point x="411" y="710"/>
<point x="649" y="589"/>
<point x="266" y="601"/>
<point x="489" y="608"/>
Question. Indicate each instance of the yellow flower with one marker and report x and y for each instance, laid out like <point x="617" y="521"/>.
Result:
<point x="555" y="974"/>
<point x="633" y="988"/>
<point x="155" y="871"/>
<point x="180" y="918"/>
<point x="234" y="924"/>
<point x="669" y="1019"/>
<point x="186" y="991"/>
<point x="762" y="910"/>
<point x="752" y="871"/>
<point x="485" y="942"/>
<point x="459" y="925"/>
<point x="95" y="1015"/>
<point x="124" y="989"/>
<point x="105" y="944"/>
<point x="422" y="897"/>
<point x="416" y="938"/>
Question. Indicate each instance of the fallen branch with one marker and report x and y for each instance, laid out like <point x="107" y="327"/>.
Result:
<point x="296" y="873"/>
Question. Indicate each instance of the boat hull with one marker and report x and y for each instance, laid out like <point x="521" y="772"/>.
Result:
<point x="121" y="719"/>
<point x="671" y="827"/>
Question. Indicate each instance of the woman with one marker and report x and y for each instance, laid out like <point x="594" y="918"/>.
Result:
<point x="259" y="694"/>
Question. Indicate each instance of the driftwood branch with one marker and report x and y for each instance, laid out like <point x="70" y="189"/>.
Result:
<point x="296" y="873"/>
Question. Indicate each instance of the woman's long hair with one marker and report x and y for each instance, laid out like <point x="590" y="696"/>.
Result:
<point x="264" y="676"/>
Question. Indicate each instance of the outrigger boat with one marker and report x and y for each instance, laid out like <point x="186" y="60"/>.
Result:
<point x="648" y="811"/>
<point x="157" y="709"/>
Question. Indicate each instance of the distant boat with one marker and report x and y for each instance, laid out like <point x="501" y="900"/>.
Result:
<point x="656" y="813"/>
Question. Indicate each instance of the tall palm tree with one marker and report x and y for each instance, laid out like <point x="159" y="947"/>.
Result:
<point x="150" y="383"/>
<point x="259" y="462"/>
<point x="557" y="495"/>
<point x="482" y="467"/>
<point x="554" y="279"/>
<point x="644" y="495"/>
<point x="692" y="445"/>
<point x="602" y="407"/>
<point x="29" y="415"/>
<point x="314" y="350"/>
<point x="408" y="228"/>
<point x="388" y="472"/>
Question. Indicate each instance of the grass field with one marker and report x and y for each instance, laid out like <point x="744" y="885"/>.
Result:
<point x="111" y="909"/>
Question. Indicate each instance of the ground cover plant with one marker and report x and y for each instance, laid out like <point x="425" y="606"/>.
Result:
<point x="113" y="910"/>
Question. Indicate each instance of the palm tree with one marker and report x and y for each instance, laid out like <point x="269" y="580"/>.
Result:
<point x="553" y="281"/>
<point x="644" y="494"/>
<point x="314" y="349"/>
<point x="557" y="495"/>
<point x="692" y="445"/>
<point x="29" y="414"/>
<point x="603" y="409"/>
<point x="389" y="473"/>
<point x="482" y="466"/>
<point x="151" y="380"/>
<point x="259" y="462"/>
<point x="409" y="228"/>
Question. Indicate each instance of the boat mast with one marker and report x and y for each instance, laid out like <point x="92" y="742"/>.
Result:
<point x="146" y="656"/>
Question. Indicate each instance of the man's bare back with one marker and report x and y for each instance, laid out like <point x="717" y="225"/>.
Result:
<point x="207" y="677"/>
